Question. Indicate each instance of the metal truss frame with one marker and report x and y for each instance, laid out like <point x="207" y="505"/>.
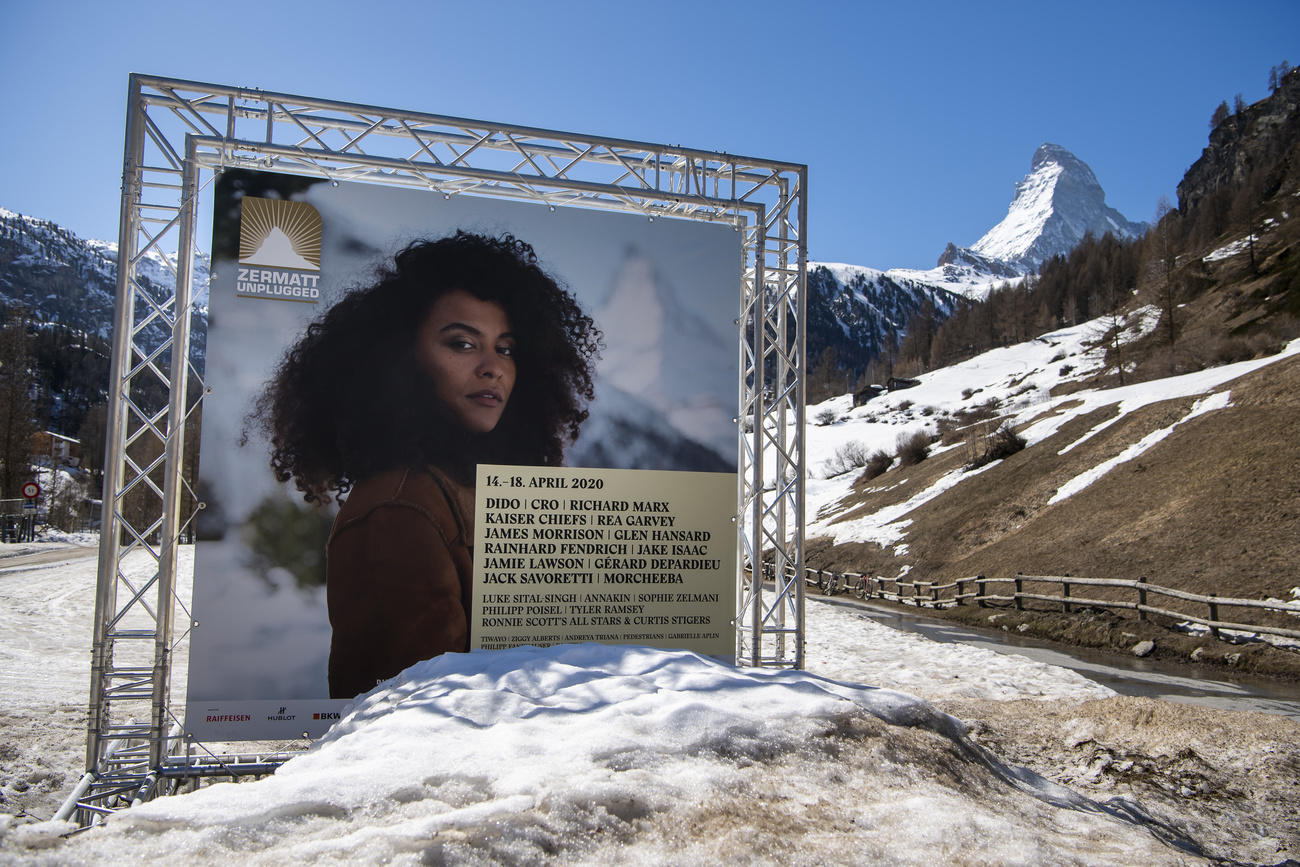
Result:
<point x="179" y="136"/>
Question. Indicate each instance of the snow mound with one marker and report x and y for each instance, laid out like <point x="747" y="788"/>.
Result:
<point x="591" y="753"/>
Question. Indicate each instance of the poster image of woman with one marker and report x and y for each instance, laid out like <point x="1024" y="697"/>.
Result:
<point x="462" y="351"/>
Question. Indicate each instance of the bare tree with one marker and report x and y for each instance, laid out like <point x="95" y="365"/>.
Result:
<point x="1114" y="323"/>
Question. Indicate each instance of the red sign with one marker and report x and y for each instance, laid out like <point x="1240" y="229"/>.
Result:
<point x="31" y="490"/>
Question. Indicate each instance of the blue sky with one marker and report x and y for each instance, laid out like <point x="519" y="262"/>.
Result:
<point x="915" y="119"/>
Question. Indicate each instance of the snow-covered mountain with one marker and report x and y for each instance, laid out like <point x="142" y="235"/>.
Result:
<point x="1055" y="205"/>
<point x="62" y="278"/>
<point x="859" y="310"/>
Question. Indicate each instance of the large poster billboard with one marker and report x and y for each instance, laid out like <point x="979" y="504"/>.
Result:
<point x="286" y="249"/>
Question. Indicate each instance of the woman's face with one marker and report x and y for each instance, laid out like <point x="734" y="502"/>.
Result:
<point x="466" y="345"/>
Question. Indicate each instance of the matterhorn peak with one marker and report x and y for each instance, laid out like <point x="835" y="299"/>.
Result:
<point x="1054" y="153"/>
<point x="1054" y="206"/>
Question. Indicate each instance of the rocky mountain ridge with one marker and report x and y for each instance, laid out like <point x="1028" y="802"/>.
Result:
<point x="1257" y="136"/>
<point x="858" y="314"/>
<point x="61" y="288"/>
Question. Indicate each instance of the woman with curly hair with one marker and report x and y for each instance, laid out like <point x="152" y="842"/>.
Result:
<point x="464" y="351"/>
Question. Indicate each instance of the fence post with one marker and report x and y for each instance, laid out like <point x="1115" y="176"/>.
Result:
<point x="961" y="585"/>
<point x="1065" y="595"/>
<point x="1142" y="599"/>
<point x="1020" y="585"/>
<point x="981" y="591"/>
<point x="1214" y="616"/>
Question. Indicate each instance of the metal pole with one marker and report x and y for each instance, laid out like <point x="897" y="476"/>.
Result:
<point x="758" y="331"/>
<point x="800" y="430"/>
<point x="782" y="467"/>
<point x="101" y="658"/>
<point x="174" y="480"/>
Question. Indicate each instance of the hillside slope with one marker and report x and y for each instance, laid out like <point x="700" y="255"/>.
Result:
<point x="1212" y="508"/>
<point x="1192" y="482"/>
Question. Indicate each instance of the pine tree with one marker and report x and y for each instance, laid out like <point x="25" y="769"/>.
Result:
<point x="1220" y="115"/>
<point x="16" y="423"/>
<point x="1166" y="251"/>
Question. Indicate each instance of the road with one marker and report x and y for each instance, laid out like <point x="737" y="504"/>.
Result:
<point x="38" y="558"/>
<point x="1127" y="675"/>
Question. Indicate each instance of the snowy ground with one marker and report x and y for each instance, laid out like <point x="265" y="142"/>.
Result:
<point x="592" y="754"/>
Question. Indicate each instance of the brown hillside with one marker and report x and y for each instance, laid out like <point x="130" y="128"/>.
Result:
<point x="1213" y="508"/>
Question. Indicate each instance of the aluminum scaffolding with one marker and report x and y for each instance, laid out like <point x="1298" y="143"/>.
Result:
<point x="179" y="136"/>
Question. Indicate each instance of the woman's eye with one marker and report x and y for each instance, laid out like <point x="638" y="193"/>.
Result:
<point x="507" y="351"/>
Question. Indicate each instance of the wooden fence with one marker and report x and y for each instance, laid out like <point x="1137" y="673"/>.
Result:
<point x="1016" y="592"/>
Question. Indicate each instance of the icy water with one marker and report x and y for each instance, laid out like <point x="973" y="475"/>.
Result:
<point x="1127" y="675"/>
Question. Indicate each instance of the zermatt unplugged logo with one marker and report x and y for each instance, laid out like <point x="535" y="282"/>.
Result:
<point x="279" y="250"/>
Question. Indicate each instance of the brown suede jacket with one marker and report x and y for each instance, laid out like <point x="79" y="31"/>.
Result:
<point x="399" y="576"/>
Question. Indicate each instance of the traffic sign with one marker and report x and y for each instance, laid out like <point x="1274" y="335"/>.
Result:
<point x="31" y="490"/>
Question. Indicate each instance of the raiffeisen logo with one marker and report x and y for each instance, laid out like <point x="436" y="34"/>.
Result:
<point x="279" y="250"/>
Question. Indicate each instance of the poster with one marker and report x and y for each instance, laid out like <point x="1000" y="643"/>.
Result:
<point x="664" y="293"/>
<point x="612" y="556"/>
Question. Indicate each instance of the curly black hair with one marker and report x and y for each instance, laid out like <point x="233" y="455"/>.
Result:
<point x="349" y="398"/>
